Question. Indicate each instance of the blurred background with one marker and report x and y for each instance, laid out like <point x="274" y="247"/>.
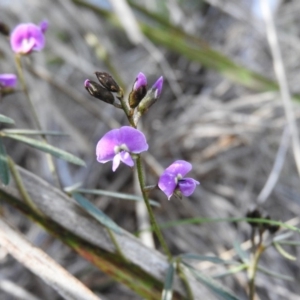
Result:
<point x="220" y="109"/>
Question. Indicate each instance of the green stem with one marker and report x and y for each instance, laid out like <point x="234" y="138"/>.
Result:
<point x="117" y="246"/>
<point x="35" y="118"/>
<point x="150" y="212"/>
<point x="27" y="199"/>
<point x="252" y="270"/>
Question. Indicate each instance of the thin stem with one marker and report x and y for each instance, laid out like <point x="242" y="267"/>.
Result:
<point x="19" y="183"/>
<point x="252" y="270"/>
<point x="35" y="118"/>
<point x="150" y="212"/>
<point x="117" y="246"/>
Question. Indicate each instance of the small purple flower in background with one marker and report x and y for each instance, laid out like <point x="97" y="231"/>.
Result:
<point x="8" y="80"/>
<point x="28" y="37"/>
<point x="117" y="144"/>
<point x="172" y="179"/>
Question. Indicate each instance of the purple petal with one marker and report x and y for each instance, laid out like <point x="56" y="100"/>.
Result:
<point x="167" y="183"/>
<point x="105" y="149"/>
<point x="86" y="83"/>
<point x="44" y="26"/>
<point x="157" y="86"/>
<point x="27" y="37"/>
<point x="181" y="167"/>
<point x="116" y="161"/>
<point x="8" y="80"/>
<point x="126" y="158"/>
<point x="134" y="139"/>
<point x="187" y="186"/>
<point x="141" y="80"/>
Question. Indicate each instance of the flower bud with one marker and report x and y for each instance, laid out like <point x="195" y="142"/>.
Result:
<point x="4" y="29"/>
<point x="253" y="214"/>
<point x="99" y="92"/>
<point x="139" y="90"/>
<point x="108" y="82"/>
<point x="151" y="96"/>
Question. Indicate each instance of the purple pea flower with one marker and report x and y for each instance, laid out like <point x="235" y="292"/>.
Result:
<point x="8" y="80"/>
<point x="27" y="37"/>
<point x="157" y="87"/>
<point x="172" y="179"/>
<point x="118" y="144"/>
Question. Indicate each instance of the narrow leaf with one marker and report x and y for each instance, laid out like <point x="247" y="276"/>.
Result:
<point x="4" y="169"/>
<point x="274" y="274"/>
<point x="289" y="243"/>
<point x="33" y="132"/>
<point x="5" y="119"/>
<point x="96" y="213"/>
<point x="215" y="286"/>
<point x="115" y="195"/>
<point x="213" y="259"/>
<point x="240" y="252"/>
<point x="283" y="252"/>
<point x="47" y="148"/>
<point x="167" y="292"/>
<point x="231" y="271"/>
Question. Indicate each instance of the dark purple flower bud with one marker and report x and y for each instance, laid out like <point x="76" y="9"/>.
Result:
<point x="98" y="91"/>
<point x="108" y="82"/>
<point x="139" y="90"/>
<point x="172" y="180"/>
<point x="8" y="80"/>
<point x="27" y="37"/>
<point x="254" y="214"/>
<point x="151" y="96"/>
<point x="44" y="26"/>
<point x="117" y="145"/>
<point x="4" y="29"/>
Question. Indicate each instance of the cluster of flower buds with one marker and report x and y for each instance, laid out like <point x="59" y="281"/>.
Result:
<point x="140" y="97"/>
<point x="257" y="214"/>
<point x="104" y="90"/>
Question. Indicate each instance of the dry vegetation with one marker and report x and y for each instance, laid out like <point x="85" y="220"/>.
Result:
<point x="231" y="134"/>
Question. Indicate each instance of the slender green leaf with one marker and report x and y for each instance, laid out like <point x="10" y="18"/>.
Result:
<point x="231" y="271"/>
<point x="281" y="237"/>
<point x="274" y="274"/>
<point x="212" y="284"/>
<point x="283" y="252"/>
<point x="5" y="119"/>
<point x="96" y="213"/>
<point x="167" y="292"/>
<point x="289" y="243"/>
<point x="216" y="220"/>
<point x="240" y="252"/>
<point x="213" y="259"/>
<point x="115" y="195"/>
<point x="47" y="148"/>
<point x="4" y="168"/>
<point x="33" y="132"/>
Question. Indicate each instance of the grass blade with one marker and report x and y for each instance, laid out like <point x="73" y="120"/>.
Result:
<point x="213" y="285"/>
<point x="4" y="169"/>
<point x="167" y="293"/>
<point x="47" y="148"/>
<point x="213" y="259"/>
<point x="33" y="132"/>
<point x="5" y="119"/>
<point x="115" y="195"/>
<point x="100" y="216"/>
